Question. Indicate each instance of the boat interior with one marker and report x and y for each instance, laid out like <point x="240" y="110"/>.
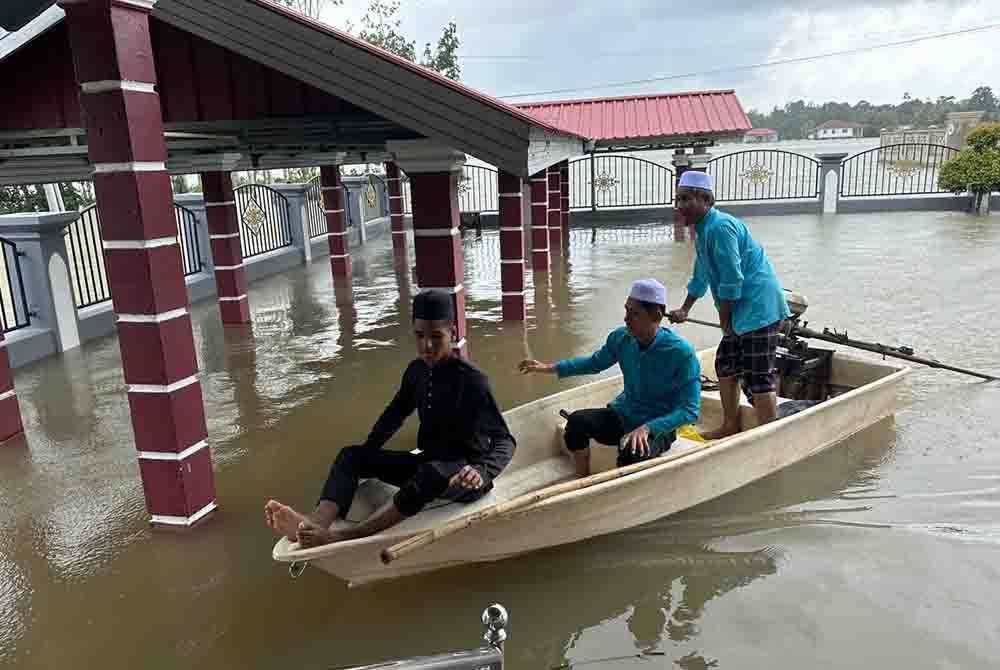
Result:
<point x="541" y="460"/>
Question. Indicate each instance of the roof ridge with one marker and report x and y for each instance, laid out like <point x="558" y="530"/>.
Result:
<point x="624" y="98"/>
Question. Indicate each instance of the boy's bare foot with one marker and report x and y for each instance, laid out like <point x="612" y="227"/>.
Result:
<point x="311" y="534"/>
<point x="282" y="519"/>
<point x="719" y="433"/>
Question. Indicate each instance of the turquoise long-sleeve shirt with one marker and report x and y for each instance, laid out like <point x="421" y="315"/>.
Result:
<point x="662" y="382"/>
<point x="736" y="268"/>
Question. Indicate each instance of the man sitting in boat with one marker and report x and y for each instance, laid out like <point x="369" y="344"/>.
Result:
<point x="463" y="440"/>
<point x="749" y="298"/>
<point x="662" y="384"/>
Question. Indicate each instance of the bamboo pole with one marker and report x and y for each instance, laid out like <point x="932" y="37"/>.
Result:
<point x="526" y="500"/>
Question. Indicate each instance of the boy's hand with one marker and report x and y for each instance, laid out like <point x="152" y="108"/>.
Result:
<point x="468" y="478"/>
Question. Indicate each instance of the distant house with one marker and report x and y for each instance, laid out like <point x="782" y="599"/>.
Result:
<point x="837" y="130"/>
<point x="760" y="136"/>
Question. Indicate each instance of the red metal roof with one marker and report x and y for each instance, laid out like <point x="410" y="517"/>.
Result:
<point x="645" y="116"/>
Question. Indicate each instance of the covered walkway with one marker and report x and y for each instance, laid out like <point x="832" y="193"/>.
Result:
<point x="129" y="92"/>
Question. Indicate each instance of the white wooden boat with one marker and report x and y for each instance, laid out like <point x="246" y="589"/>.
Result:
<point x="855" y="394"/>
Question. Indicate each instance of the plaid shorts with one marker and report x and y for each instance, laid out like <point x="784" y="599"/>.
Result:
<point x="752" y="355"/>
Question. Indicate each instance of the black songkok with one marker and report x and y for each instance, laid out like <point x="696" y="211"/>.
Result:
<point x="433" y="305"/>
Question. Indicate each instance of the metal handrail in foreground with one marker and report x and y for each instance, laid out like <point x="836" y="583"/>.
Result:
<point x="484" y="658"/>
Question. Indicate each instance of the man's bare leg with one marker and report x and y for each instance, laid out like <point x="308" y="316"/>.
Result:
<point x="729" y="391"/>
<point x="286" y="521"/>
<point x="582" y="460"/>
<point x="765" y="406"/>
<point x="314" y="535"/>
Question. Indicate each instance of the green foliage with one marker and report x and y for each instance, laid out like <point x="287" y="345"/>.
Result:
<point x="17" y="199"/>
<point x="381" y="26"/>
<point x="444" y="59"/>
<point x="977" y="168"/>
<point x="297" y="175"/>
<point x="77" y="195"/>
<point x="972" y="171"/>
<point x="984" y="137"/>
<point x="797" y="119"/>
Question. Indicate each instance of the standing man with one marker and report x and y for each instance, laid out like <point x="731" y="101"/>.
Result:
<point x="463" y="440"/>
<point x="662" y="384"/>
<point x="749" y="298"/>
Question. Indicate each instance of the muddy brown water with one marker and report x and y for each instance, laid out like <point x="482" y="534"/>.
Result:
<point x="883" y="552"/>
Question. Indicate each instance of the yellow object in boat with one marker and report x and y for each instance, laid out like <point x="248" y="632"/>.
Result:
<point x="689" y="432"/>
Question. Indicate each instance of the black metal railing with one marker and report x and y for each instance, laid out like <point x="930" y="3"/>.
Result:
<point x="314" y="208"/>
<point x="597" y="182"/>
<point x="86" y="259"/>
<point x="895" y="169"/>
<point x="187" y="239"/>
<point x="477" y="189"/>
<point x="264" y="219"/>
<point x="764" y="174"/>
<point x="13" y="301"/>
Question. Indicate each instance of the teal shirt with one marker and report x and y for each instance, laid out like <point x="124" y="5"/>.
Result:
<point x="662" y="383"/>
<point x="736" y="268"/>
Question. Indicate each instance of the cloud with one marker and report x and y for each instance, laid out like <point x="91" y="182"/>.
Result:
<point x="524" y="46"/>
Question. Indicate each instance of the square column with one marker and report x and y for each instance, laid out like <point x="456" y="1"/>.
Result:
<point x="10" y="410"/>
<point x="224" y="239"/>
<point x="121" y="111"/>
<point x="434" y="171"/>
<point x="830" y="163"/>
<point x="336" y="227"/>
<point x="539" y="221"/>
<point x="564" y="200"/>
<point x="511" y="247"/>
<point x="554" y="213"/>
<point x="394" y="182"/>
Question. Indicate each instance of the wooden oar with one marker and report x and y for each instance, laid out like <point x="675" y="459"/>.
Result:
<point x="882" y="349"/>
<point x="519" y="503"/>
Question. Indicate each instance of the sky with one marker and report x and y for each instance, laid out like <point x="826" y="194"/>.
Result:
<point x="536" y="46"/>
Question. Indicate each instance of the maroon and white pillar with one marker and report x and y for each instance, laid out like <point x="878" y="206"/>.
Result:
<point x="554" y="209"/>
<point x="227" y="255"/>
<point x="394" y="182"/>
<point x="434" y="171"/>
<point x="10" y="410"/>
<point x="539" y="221"/>
<point x="336" y="221"/>
<point x="121" y="110"/>
<point x="511" y="247"/>
<point x="564" y="198"/>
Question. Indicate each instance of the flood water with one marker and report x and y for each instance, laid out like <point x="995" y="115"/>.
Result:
<point x="883" y="552"/>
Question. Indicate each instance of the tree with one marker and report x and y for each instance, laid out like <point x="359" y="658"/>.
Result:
<point x="17" y="199"/>
<point x="984" y="100"/>
<point x="445" y="56"/>
<point x="976" y="169"/>
<point x="381" y="27"/>
<point x="311" y="8"/>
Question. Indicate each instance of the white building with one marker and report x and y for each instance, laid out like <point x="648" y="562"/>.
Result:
<point x="837" y="130"/>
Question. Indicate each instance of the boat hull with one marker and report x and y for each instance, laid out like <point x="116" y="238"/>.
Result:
<point x="694" y="475"/>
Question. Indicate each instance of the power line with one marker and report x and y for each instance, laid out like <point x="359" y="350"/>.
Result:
<point x="766" y="64"/>
<point x="742" y="45"/>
